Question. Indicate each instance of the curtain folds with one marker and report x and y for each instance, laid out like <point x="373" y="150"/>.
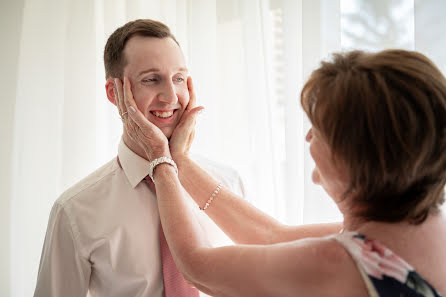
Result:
<point x="248" y="59"/>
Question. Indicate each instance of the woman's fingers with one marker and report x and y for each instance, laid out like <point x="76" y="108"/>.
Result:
<point x="119" y="97"/>
<point x="131" y="128"/>
<point x="184" y="133"/>
<point x="137" y="117"/>
<point x="188" y="122"/>
<point x="189" y="127"/>
<point x="132" y="108"/>
<point x="142" y="131"/>
<point x="192" y="97"/>
<point x="128" y="96"/>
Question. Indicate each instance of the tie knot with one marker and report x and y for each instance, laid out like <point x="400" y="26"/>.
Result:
<point x="150" y="183"/>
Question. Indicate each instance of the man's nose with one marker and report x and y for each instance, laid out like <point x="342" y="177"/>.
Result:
<point x="168" y="94"/>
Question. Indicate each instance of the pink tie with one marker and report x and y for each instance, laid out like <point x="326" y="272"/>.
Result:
<point x="174" y="283"/>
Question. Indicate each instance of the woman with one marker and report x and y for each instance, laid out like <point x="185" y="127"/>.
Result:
<point x="378" y="139"/>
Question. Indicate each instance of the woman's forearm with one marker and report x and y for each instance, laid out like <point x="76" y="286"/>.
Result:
<point x="241" y="221"/>
<point x="180" y="225"/>
<point x="220" y="271"/>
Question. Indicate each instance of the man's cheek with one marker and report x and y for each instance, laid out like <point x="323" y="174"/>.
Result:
<point x="184" y="98"/>
<point x="142" y="106"/>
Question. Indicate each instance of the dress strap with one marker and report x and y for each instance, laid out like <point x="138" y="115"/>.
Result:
<point x="384" y="272"/>
<point x="345" y="239"/>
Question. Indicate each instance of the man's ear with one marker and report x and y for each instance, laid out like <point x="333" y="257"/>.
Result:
<point x="110" y="90"/>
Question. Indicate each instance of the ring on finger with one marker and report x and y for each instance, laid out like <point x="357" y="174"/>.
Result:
<point x="122" y="116"/>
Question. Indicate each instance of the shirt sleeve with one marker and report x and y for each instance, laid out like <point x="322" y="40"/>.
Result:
<point x="63" y="271"/>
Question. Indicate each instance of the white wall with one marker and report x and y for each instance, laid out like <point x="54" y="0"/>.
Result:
<point x="43" y="39"/>
<point x="10" y="28"/>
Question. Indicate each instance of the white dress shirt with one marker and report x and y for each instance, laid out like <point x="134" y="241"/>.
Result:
<point x="102" y="236"/>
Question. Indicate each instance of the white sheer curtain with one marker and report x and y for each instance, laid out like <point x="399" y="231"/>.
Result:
<point x="248" y="59"/>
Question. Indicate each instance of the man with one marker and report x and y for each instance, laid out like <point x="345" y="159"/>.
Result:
<point x="103" y="233"/>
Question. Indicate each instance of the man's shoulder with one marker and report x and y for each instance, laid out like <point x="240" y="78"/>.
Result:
<point x="89" y="183"/>
<point x="221" y="172"/>
<point x="214" y="167"/>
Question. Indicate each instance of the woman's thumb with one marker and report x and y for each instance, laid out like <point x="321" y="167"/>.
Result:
<point x="191" y="117"/>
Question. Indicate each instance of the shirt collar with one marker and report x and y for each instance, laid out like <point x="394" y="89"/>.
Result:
<point x="135" y="167"/>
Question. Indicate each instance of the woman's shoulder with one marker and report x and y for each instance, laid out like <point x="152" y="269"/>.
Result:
<point x="324" y="267"/>
<point x="305" y="267"/>
<point x="383" y="271"/>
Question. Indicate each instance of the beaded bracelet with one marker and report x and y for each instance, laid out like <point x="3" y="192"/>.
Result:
<point x="158" y="161"/>
<point x="212" y="197"/>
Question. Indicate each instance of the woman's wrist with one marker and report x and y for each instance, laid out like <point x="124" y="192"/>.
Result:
<point x="163" y="170"/>
<point x="180" y="159"/>
<point x="153" y="154"/>
<point x="159" y="161"/>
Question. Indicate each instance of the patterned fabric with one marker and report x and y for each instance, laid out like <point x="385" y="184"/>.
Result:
<point x="385" y="273"/>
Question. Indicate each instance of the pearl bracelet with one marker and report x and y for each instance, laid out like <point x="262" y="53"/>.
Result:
<point x="220" y="185"/>
<point x="158" y="161"/>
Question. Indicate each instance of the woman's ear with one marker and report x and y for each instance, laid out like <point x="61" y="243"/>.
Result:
<point x="110" y="90"/>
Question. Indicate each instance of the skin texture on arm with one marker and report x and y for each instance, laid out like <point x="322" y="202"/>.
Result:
<point x="240" y="220"/>
<point x="307" y="267"/>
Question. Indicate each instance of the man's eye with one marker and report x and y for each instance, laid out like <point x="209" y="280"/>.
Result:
<point x="149" y="80"/>
<point x="179" y="79"/>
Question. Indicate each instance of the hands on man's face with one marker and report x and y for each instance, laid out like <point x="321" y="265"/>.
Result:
<point x="148" y="136"/>
<point x="140" y="130"/>
<point x="183" y="134"/>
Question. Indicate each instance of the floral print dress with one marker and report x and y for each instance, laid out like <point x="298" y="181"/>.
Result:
<point x="384" y="273"/>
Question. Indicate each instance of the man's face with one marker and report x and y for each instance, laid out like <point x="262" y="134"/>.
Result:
<point x="157" y="71"/>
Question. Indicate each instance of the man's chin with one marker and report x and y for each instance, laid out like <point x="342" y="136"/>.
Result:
<point x="167" y="131"/>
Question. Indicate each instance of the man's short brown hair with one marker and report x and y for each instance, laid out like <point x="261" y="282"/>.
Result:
<point x="384" y="116"/>
<point x="114" y="60"/>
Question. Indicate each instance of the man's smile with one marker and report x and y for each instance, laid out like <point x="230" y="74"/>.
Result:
<point x="163" y="117"/>
<point x="164" y="114"/>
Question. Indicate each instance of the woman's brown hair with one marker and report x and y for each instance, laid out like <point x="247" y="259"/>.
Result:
<point x="384" y="116"/>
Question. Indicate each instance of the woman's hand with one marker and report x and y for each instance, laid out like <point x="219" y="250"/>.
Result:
<point x="140" y="130"/>
<point x="183" y="135"/>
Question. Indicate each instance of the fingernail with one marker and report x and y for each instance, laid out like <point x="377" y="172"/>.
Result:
<point x="132" y="109"/>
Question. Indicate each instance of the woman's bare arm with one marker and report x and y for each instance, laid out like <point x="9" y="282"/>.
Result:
<point x="283" y="269"/>
<point x="305" y="267"/>
<point x="241" y="221"/>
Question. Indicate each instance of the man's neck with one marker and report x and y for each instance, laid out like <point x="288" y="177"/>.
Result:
<point x="133" y="146"/>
